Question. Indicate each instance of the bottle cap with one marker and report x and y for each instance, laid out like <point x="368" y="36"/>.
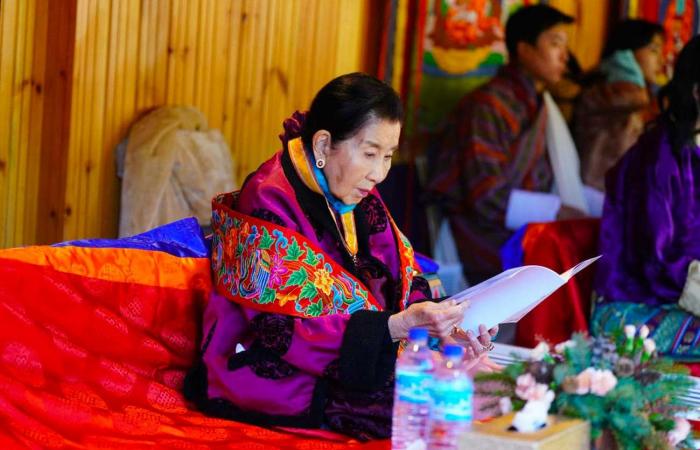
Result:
<point x="418" y="334"/>
<point x="453" y="351"/>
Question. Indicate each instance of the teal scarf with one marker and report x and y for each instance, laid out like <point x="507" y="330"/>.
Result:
<point x="336" y="204"/>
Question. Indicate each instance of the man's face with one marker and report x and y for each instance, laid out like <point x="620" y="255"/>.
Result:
<point x="546" y="60"/>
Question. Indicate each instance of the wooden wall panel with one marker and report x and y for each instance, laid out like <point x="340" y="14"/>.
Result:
<point x="21" y="105"/>
<point x="247" y="64"/>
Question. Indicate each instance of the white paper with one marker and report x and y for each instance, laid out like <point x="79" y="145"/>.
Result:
<point x="563" y="158"/>
<point x="527" y="206"/>
<point x="595" y="200"/>
<point x="510" y="295"/>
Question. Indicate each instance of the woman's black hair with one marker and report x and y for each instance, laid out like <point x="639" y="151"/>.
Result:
<point x="631" y="34"/>
<point x="344" y="105"/>
<point x="678" y="101"/>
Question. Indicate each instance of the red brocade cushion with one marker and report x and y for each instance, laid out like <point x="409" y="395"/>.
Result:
<point x="94" y="346"/>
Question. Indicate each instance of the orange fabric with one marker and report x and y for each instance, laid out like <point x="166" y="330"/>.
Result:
<point x="118" y="264"/>
<point x="559" y="246"/>
<point x="90" y="362"/>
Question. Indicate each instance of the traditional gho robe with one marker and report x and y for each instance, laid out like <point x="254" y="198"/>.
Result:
<point x="311" y="319"/>
<point x="494" y="143"/>
<point x="650" y="233"/>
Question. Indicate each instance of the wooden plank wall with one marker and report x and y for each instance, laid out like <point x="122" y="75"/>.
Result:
<point x="22" y="24"/>
<point x="247" y="64"/>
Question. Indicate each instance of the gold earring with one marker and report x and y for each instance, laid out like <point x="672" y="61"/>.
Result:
<point x="320" y="163"/>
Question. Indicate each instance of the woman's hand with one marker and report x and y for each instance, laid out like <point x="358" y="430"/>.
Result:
<point x="440" y="319"/>
<point x="473" y="346"/>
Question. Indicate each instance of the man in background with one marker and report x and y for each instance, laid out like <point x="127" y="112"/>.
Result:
<point x="493" y="172"/>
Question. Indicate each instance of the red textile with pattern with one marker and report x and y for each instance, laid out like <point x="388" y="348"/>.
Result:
<point x="559" y="246"/>
<point x="95" y="363"/>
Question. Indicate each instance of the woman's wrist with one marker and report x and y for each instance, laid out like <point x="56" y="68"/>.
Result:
<point x="396" y="327"/>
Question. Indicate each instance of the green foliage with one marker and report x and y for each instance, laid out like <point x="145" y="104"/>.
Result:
<point x="311" y="257"/>
<point x="266" y="240"/>
<point x="638" y="411"/>
<point x="315" y="309"/>
<point x="308" y="291"/>
<point x="268" y="296"/>
<point x="297" y="278"/>
<point x="578" y="356"/>
<point x="293" y="251"/>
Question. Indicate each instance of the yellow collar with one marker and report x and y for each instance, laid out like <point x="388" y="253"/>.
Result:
<point x="302" y="165"/>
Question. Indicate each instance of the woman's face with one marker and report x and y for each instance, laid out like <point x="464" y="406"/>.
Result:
<point x="354" y="166"/>
<point x="650" y="58"/>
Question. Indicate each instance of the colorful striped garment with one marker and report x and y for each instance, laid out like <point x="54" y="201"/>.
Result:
<point x="494" y="143"/>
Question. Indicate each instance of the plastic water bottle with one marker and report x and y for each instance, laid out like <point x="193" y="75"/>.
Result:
<point x="414" y="369"/>
<point x="451" y="401"/>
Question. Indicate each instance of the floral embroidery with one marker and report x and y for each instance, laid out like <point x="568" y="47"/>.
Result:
<point x="277" y="271"/>
<point x="271" y="268"/>
<point x="323" y="281"/>
<point x="375" y="214"/>
<point x="272" y="332"/>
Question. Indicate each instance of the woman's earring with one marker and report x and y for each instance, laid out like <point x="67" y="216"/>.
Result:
<point x="320" y="163"/>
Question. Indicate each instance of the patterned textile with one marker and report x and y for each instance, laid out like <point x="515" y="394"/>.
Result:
<point x="676" y="332"/>
<point x="297" y="273"/>
<point x="95" y="341"/>
<point x="262" y="266"/>
<point x="494" y="143"/>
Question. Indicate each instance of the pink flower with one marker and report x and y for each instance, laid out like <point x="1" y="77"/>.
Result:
<point x="528" y="389"/>
<point x="679" y="432"/>
<point x="598" y="382"/>
<point x="583" y="381"/>
<point x="602" y="382"/>
<point x="277" y="271"/>
<point x="538" y="353"/>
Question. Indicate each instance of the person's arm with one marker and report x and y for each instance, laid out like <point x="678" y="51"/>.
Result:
<point x="359" y="349"/>
<point x="475" y="158"/>
<point x="669" y="234"/>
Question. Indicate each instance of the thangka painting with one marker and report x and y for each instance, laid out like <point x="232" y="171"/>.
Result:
<point x="463" y="47"/>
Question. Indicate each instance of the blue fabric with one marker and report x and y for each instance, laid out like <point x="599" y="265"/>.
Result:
<point x="623" y="66"/>
<point x="427" y="265"/>
<point x="183" y="238"/>
<point x="336" y="204"/>
<point x="512" y="254"/>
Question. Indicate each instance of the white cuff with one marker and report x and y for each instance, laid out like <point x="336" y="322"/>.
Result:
<point x="527" y="206"/>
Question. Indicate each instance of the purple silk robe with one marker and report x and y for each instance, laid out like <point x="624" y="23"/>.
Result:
<point x="650" y="231"/>
<point x="334" y="370"/>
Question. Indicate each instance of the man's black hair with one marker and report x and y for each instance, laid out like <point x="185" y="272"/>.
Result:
<point x="527" y="23"/>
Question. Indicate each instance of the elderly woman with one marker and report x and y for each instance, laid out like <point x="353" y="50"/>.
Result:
<point x="650" y="233"/>
<point x="612" y="109"/>
<point x="316" y="286"/>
